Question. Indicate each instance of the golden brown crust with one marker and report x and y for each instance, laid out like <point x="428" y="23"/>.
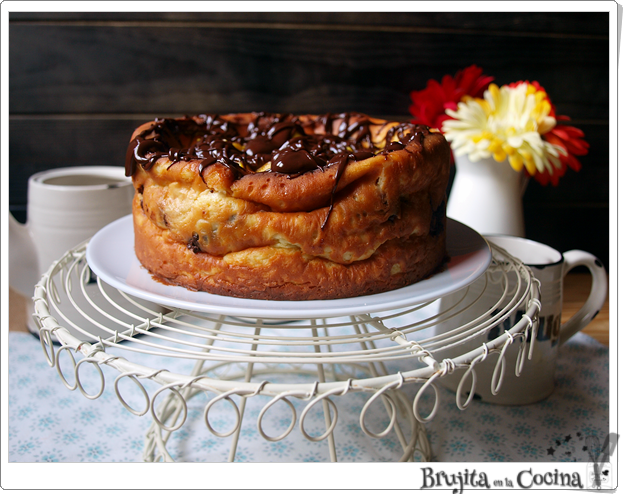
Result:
<point x="269" y="235"/>
<point x="272" y="273"/>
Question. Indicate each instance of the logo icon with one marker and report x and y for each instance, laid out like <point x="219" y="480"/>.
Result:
<point x="599" y="478"/>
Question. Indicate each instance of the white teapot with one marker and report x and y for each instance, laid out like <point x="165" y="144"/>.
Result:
<point x="65" y="207"/>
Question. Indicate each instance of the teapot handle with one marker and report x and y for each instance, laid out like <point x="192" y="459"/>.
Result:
<point x="23" y="259"/>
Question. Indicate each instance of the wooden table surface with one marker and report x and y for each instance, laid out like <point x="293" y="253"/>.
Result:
<point x="576" y="289"/>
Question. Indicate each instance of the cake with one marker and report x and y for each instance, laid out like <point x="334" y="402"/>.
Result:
<point x="288" y="207"/>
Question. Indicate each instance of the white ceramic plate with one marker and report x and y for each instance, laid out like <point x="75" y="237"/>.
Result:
<point x="110" y="254"/>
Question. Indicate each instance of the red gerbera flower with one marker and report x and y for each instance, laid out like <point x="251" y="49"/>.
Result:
<point x="430" y="104"/>
<point x="570" y="139"/>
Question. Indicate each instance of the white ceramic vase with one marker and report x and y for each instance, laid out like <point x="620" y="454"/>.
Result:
<point x="487" y="196"/>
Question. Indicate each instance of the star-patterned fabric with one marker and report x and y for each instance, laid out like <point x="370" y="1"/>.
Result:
<point x="49" y="423"/>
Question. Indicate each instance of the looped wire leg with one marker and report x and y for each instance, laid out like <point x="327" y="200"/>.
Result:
<point x="418" y="433"/>
<point x="329" y="424"/>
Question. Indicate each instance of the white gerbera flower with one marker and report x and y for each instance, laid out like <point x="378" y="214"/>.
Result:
<point x="506" y="124"/>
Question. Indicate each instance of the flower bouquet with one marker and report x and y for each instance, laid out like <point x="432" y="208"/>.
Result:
<point x="500" y="136"/>
<point x="515" y="123"/>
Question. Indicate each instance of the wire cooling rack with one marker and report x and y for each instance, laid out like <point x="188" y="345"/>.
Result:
<point x="312" y="361"/>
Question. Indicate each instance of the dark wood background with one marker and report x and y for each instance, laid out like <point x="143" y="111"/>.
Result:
<point x="79" y="83"/>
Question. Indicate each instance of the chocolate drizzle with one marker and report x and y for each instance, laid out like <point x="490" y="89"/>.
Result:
<point x="290" y="145"/>
<point x="281" y="139"/>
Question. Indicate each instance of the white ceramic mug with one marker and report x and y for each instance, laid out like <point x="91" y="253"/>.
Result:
<point x="65" y="207"/>
<point x="537" y="378"/>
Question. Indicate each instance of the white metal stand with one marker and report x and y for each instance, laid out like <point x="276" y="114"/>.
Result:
<point x="237" y="359"/>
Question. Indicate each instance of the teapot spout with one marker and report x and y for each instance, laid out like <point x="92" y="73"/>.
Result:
<point x="23" y="261"/>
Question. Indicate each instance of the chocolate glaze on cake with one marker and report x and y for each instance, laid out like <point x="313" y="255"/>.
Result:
<point x="279" y="139"/>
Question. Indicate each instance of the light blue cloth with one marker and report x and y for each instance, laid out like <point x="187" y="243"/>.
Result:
<point x="49" y="423"/>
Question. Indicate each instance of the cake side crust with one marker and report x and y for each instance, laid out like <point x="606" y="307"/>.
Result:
<point x="273" y="273"/>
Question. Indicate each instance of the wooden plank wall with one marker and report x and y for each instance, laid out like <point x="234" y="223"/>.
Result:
<point x="79" y="83"/>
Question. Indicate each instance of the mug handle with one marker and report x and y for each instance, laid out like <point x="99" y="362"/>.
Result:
<point x="597" y="297"/>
